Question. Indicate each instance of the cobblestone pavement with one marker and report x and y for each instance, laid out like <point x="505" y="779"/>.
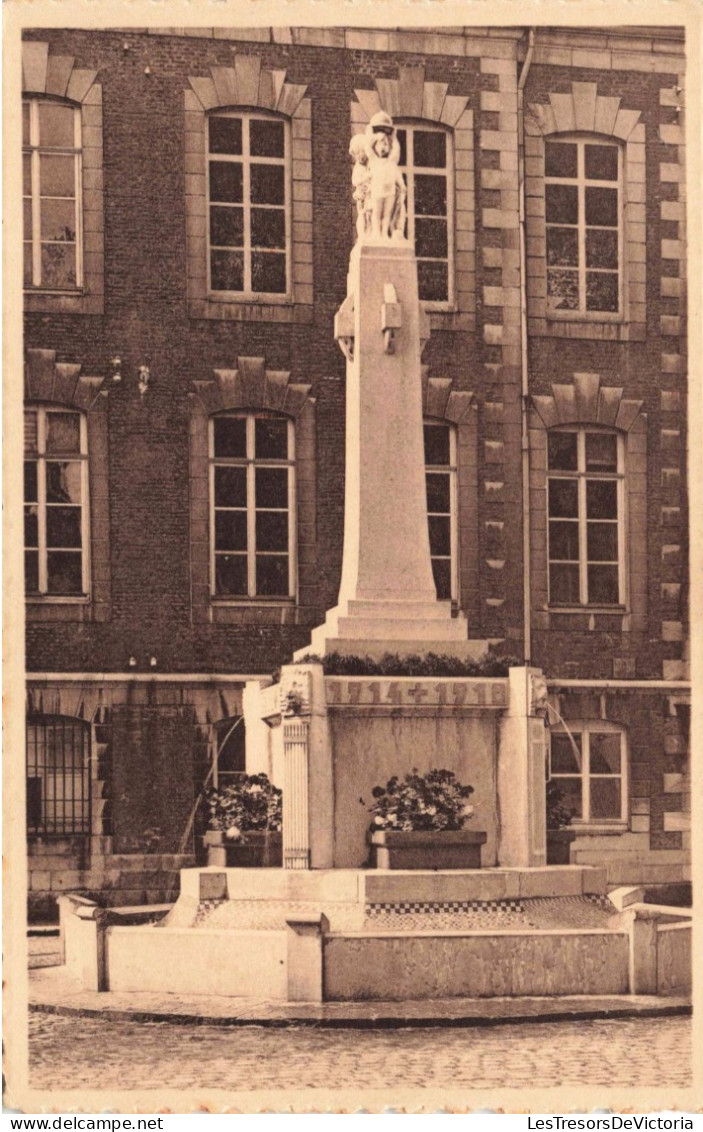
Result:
<point x="75" y="1052"/>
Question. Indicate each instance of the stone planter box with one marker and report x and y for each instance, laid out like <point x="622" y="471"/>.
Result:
<point x="260" y="850"/>
<point x="444" y="849"/>
<point x="559" y="846"/>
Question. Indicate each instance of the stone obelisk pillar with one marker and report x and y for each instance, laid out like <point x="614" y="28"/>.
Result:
<point x="387" y="597"/>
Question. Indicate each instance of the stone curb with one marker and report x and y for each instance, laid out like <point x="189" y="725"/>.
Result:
<point x="318" y="1016"/>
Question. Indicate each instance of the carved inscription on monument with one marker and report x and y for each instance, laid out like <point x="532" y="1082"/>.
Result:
<point x="410" y="692"/>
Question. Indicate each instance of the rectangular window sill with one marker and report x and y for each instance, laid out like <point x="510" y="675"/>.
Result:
<point x="246" y="310"/>
<point x="248" y="602"/>
<point x="49" y="292"/>
<point x="589" y="318"/>
<point x="608" y="610"/>
<point x="57" y="599"/>
<point x="600" y="829"/>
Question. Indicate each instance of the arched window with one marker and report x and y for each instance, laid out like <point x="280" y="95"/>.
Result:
<point x="427" y="162"/>
<point x="58" y="776"/>
<point x="584" y="223"/>
<point x="440" y="478"/>
<point x="51" y="156"/>
<point x="252" y="509"/>
<point x="56" y="535"/>
<point x="249" y="204"/>
<point x="588" y="763"/>
<point x="585" y="493"/>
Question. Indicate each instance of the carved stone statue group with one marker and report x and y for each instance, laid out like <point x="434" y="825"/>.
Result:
<point x="379" y="187"/>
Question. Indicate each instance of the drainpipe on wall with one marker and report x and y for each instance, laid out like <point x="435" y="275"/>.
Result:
<point x="526" y="595"/>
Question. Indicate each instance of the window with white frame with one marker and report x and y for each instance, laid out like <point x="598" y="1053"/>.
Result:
<point x="55" y="502"/>
<point x="58" y="776"/>
<point x="440" y="479"/>
<point x="252" y="493"/>
<point x="585" y="493"/>
<point x="588" y="764"/>
<point x="248" y="205"/>
<point x="51" y="177"/>
<point x="427" y="162"/>
<point x="583" y="217"/>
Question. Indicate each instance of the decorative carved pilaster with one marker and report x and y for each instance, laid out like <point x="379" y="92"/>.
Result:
<point x="296" y="829"/>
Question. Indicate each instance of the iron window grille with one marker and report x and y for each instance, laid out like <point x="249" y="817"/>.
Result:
<point x="58" y="776"/>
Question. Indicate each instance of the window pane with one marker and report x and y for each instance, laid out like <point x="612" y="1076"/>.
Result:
<point x="605" y="798"/>
<point x="566" y="753"/>
<point x="226" y="181"/>
<point x="602" y="207"/>
<point x="440" y="535"/>
<point x="562" y="448"/>
<point x="442" y="572"/>
<point x="272" y="487"/>
<point x="227" y="271"/>
<point x="601" y="162"/>
<point x="272" y="530"/>
<point x="432" y="281"/>
<point x="560" y="159"/>
<point x="58" y="265"/>
<point x="562" y="247"/>
<point x="31" y="571"/>
<point x="56" y="125"/>
<point x="268" y="184"/>
<point x="230" y="530"/>
<point x="57" y="176"/>
<point x="226" y="135"/>
<point x="272" y="575"/>
<point x="63" y="432"/>
<point x="268" y="273"/>
<point x="572" y="795"/>
<point x="30" y="431"/>
<point x="605" y="753"/>
<point x="63" y="481"/>
<point x="27" y="275"/>
<point x="562" y="204"/>
<point x="65" y="573"/>
<point x="601" y="247"/>
<point x="436" y="444"/>
<point x="402" y="136"/>
<point x="27" y="219"/>
<point x="431" y="238"/>
<point x="602" y="540"/>
<point x="268" y="228"/>
<point x="564" y="584"/>
<point x="564" y="541"/>
<point x="601" y="452"/>
<point x="227" y="227"/>
<point x="430" y="149"/>
<point x="25" y="123"/>
<point x="31" y="526"/>
<point x="437" y="492"/>
<point x="30" y="481"/>
<point x="230" y="487"/>
<point x="231" y="574"/>
<point x="602" y="499"/>
<point x="563" y="499"/>
<point x="63" y="526"/>
<point x="270" y="439"/>
<point x="430" y="195"/>
<point x="58" y="220"/>
<point x="603" y="585"/>
<point x="266" y="138"/>
<point x="601" y="291"/>
<point x="562" y="290"/>
<point x="230" y="436"/>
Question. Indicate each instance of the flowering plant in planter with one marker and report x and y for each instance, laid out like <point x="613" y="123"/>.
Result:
<point x="252" y="804"/>
<point x="432" y="801"/>
<point x="558" y="813"/>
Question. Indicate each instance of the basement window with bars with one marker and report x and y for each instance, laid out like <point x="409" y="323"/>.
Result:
<point x="252" y="506"/>
<point x="440" y="480"/>
<point x="58" y="776"/>
<point x="589" y="765"/>
<point x="584" y="224"/>
<point x="585" y="491"/>
<point x="249" y="206"/>
<point x="55" y="503"/>
<point x="51" y="175"/>
<point x="427" y="162"/>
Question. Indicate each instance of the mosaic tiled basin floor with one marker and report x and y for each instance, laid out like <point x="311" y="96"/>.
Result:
<point x="488" y="916"/>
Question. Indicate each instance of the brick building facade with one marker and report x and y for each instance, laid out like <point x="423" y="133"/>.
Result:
<point x="188" y="222"/>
